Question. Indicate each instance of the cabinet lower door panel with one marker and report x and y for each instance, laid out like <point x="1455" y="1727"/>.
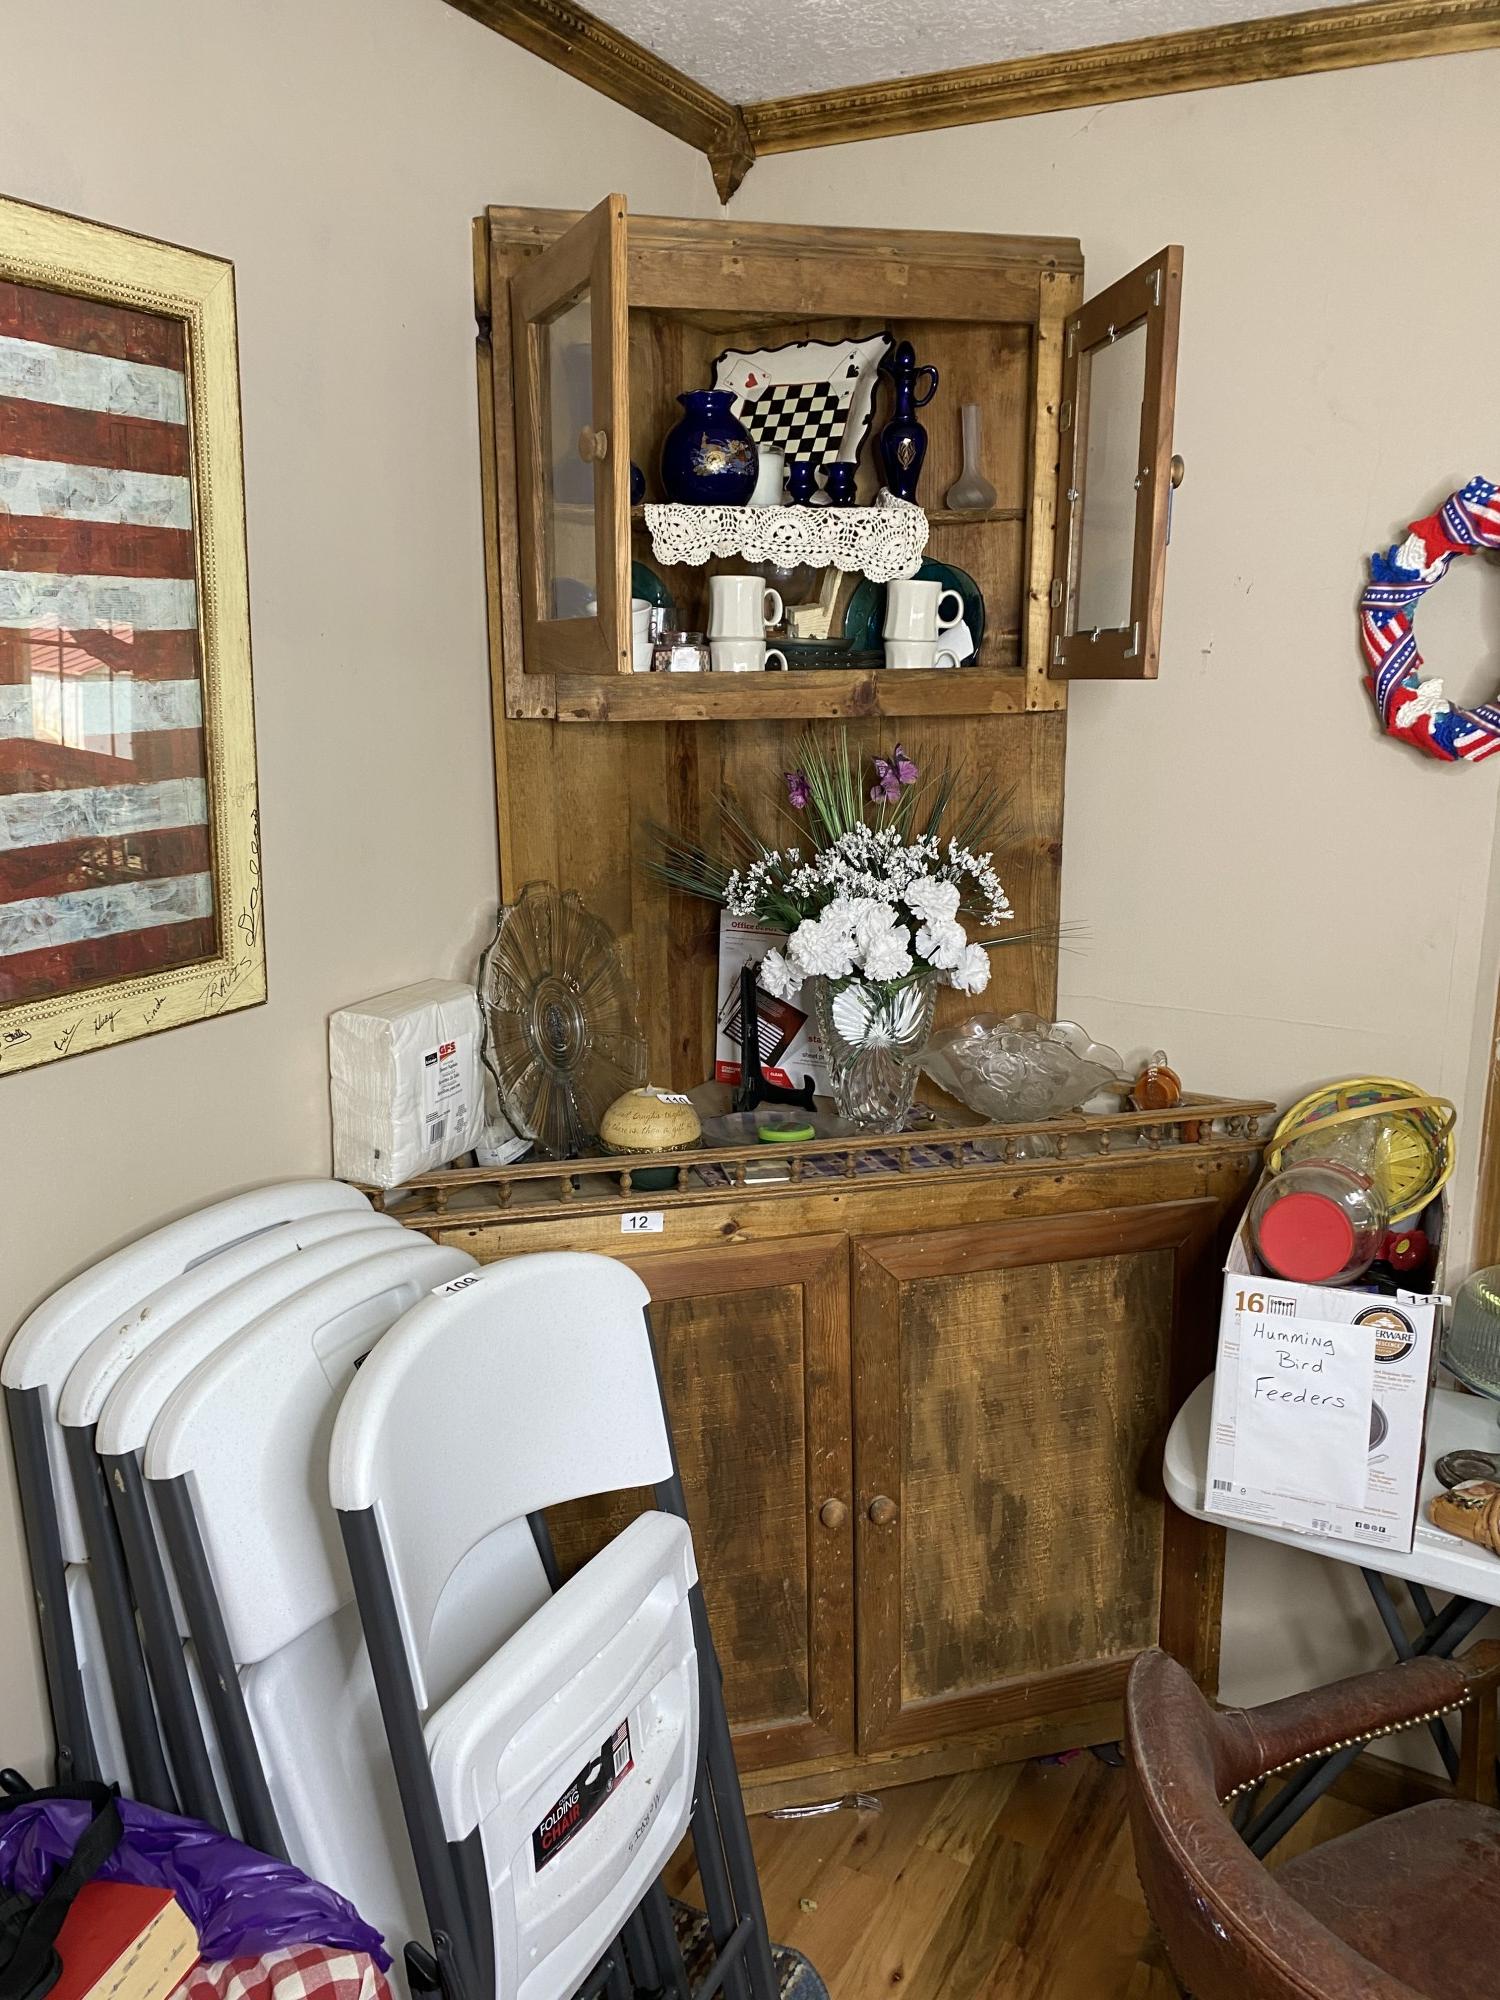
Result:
<point x="1012" y="1397"/>
<point x="753" y="1348"/>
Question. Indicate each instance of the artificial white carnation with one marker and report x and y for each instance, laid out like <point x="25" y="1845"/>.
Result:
<point x="933" y="901"/>
<point x="972" y="973"/>
<point x="886" y="955"/>
<point x="777" y="977"/>
<point x="943" y="944"/>
<point x="817" y="947"/>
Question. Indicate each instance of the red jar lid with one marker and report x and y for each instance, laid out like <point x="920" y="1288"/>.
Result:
<point x="1306" y="1237"/>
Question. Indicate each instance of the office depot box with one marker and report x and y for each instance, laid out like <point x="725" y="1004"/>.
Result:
<point x="1320" y="1405"/>
<point x="790" y="1048"/>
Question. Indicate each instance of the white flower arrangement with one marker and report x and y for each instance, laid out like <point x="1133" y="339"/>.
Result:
<point x="883" y="902"/>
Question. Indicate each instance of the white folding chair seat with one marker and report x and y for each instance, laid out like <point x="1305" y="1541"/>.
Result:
<point x="525" y="1387"/>
<point x="316" y="1720"/>
<point x="33" y="1372"/>
<point x="597" y="1693"/>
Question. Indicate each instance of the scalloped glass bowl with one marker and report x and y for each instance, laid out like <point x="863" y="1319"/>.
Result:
<point x="1021" y="1067"/>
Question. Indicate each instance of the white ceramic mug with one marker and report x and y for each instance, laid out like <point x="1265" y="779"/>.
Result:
<point x="744" y="656"/>
<point x="919" y="653"/>
<point x="770" y="478"/>
<point x="640" y="634"/>
<point x="919" y="611"/>
<point x="741" y="607"/>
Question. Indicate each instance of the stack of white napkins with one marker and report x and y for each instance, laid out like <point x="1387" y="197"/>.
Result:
<point x="405" y="1081"/>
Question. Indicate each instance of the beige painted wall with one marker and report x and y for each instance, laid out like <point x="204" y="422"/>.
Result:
<point x="1266" y="886"/>
<point x="336" y="151"/>
<point x="1234" y="833"/>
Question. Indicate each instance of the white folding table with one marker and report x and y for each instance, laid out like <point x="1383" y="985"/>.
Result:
<point x="1468" y="1576"/>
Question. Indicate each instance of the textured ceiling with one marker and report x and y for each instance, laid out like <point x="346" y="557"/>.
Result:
<point x="752" y="49"/>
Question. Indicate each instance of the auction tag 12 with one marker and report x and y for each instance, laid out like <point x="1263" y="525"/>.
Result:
<point x="643" y="1222"/>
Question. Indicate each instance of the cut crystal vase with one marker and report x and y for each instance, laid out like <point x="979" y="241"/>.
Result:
<point x="874" y="1035"/>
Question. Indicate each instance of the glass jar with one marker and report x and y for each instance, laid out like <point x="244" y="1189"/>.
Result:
<point x="680" y="653"/>
<point x="1318" y="1222"/>
<point x="1471" y="1348"/>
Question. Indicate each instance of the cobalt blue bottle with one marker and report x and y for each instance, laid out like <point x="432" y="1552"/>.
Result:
<point x="903" y="442"/>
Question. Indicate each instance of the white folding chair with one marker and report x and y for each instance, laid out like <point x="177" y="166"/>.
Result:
<point x="545" y="1792"/>
<point x="33" y="1371"/>
<point x="270" y="1257"/>
<point x="237" y="1465"/>
<point x="130" y="1408"/>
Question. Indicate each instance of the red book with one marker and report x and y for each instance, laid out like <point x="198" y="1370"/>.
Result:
<point x="123" y="1942"/>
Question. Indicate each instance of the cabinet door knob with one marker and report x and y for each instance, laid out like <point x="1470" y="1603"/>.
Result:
<point x="833" y="1513"/>
<point x="593" y="446"/>
<point x="882" y="1510"/>
<point x="1179" y="469"/>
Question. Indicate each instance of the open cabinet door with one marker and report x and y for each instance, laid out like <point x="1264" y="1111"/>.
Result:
<point x="1115" y="481"/>
<point x="570" y="344"/>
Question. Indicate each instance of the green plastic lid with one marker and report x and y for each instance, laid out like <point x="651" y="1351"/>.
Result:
<point x="781" y="1135"/>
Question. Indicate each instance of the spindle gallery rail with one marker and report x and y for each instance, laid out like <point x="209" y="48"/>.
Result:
<point x="601" y="1182"/>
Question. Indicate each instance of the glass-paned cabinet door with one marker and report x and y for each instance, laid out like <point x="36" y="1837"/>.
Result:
<point x="572" y="386"/>
<point x="1116" y="476"/>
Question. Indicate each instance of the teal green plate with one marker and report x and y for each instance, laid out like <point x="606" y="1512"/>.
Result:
<point x="866" y="613"/>
<point x="644" y="582"/>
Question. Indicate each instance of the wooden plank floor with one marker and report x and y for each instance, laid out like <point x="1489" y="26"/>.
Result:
<point x="1008" y="1884"/>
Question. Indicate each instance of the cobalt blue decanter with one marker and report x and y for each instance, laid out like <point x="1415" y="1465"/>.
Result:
<point x="903" y="442"/>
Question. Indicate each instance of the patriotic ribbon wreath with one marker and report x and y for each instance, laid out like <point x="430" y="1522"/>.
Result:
<point x="1411" y="708"/>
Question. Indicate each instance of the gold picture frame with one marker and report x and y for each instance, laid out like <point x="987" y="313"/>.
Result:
<point x="86" y="848"/>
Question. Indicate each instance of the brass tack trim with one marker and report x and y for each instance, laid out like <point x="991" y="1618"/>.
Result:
<point x="1346" y="1743"/>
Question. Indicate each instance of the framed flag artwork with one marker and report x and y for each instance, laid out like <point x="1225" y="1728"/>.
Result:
<point x="130" y="893"/>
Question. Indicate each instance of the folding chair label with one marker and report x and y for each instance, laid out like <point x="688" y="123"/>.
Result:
<point x="583" y="1798"/>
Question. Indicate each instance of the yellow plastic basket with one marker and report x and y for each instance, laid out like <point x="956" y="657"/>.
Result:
<point x="1417" y="1155"/>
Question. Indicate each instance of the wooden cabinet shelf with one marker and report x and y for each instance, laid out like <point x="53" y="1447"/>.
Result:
<point x="959" y="517"/>
<point x="788" y="697"/>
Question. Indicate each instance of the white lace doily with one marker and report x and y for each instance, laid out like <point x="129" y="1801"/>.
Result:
<point x="881" y="542"/>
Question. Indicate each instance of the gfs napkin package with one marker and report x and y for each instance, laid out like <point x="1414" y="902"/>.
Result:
<point x="1320" y="1406"/>
<point x="405" y="1082"/>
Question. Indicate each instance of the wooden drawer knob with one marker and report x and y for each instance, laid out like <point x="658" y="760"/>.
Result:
<point x="833" y="1513"/>
<point x="593" y="446"/>
<point x="882" y="1510"/>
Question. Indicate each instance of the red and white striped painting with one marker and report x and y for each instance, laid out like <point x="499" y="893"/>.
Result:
<point x="105" y="867"/>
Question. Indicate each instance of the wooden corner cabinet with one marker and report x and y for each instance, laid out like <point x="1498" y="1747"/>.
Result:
<point x="920" y="1395"/>
<point x="590" y="325"/>
<point x="920" y="1414"/>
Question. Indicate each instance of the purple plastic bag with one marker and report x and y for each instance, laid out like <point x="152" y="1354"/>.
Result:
<point x="241" y="1902"/>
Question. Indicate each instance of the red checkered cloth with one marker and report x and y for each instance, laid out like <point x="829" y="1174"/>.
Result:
<point x="301" y="1972"/>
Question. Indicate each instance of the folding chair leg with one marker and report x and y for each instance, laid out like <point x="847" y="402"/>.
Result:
<point x="656" y="1916"/>
<point x="640" y="1956"/>
<point x="718" y="1898"/>
<point x="74" y="1759"/>
<point x="175" y="1702"/>
<point x="149" y="1777"/>
<point x="259" y="1826"/>
<point x="454" y="1947"/>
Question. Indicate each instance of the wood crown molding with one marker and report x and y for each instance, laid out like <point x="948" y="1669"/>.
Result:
<point x="733" y="136"/>
<point x="1157" y="66"/>
<point x="600" y="56"/>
